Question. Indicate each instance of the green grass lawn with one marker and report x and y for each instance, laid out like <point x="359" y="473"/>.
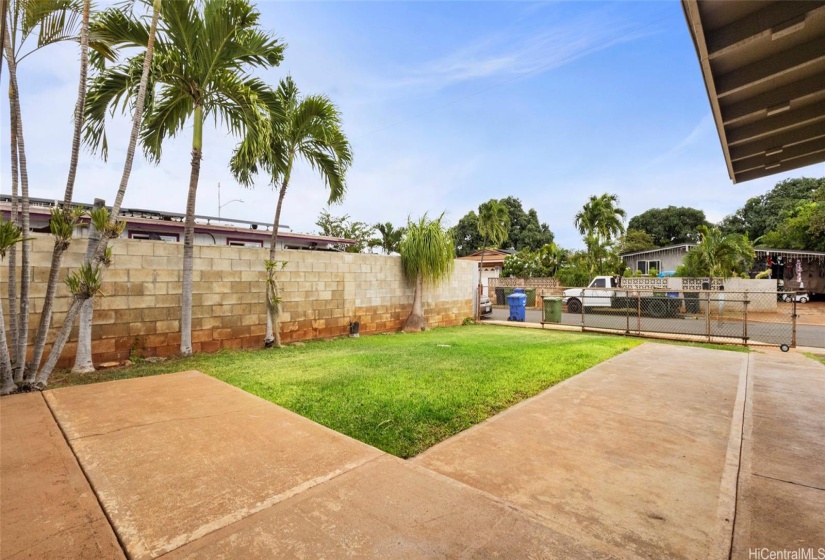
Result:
<point x="401" y="392"/>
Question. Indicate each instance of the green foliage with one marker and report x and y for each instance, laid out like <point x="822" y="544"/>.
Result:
<point x="427" y="249"/>
<point x="62" y="224"/>
<point x="345" y="228"/>
<point x="635" y="240"/>
<point x="524" y="231"/>
<point x="653" y="273"/>
<point x="493" y="223"/>
<point x="803" y="228"/>
<point x="390" y="237"/>
<point x="765" y="213"/>
<point x="203" y="54"/>
<point x="718" y="254"/>
<point x="544" y="263"/>
<point x="9" y="235"/>
<point x="669" y="226"/>
<point x="85" y="282"/>
<point x="600" y="221"/>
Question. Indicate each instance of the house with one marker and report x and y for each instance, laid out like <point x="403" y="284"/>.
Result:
<point x="166" y="226"/>
<point x="661" y="258"/>
<point x="493" y="263"/>
<point x="798" y="270"/>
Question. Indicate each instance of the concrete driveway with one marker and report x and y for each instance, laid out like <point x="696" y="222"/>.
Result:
<point x="661" y="452"/>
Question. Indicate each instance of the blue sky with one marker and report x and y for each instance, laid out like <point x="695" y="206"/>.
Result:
<point x="447" y="104"/>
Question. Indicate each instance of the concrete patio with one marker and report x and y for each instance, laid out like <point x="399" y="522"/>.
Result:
<point x="664" y="451"/>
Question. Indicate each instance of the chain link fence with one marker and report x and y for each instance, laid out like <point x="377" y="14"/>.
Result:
<point x="701" y="316"/>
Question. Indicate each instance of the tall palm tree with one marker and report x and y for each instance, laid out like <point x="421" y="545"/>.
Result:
<point x="427" y="255"/>
<point x="718" y="254"/>
<point x="602" y="220"/>
<point x="29" y="26"/>
<point x="66" y="223"/>
<point x="204" y="53"/>
<point x="390" y="237"/>
<point x="493" y="226"/>
<point x="303" y="128"/>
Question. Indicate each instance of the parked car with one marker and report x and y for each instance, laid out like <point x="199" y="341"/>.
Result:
<point x="486" y="305"/>
<point x="800" y="297"/>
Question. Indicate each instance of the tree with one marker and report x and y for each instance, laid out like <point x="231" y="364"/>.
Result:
<point x="345" y="228"/>
<point x="525" y="230"/>
<point x="802" y="229"/>
<point x="10" y="235"/>
<point x="669" y="226"/>
<point x="389" y="239"/>
<point x="62" y="227"/>
<point x="765" y="213"/>
<point x="493" y="225"/>
<point x="635" y="240"/>
<point x="204" y="52"/>
<point x="599" y="221"/>
<point x="304" y="128"/>
<point x="718" y="254"/>
<point x="466" y="236"/>
<point x="552" y="259"/>
<point x="427" y="255"/>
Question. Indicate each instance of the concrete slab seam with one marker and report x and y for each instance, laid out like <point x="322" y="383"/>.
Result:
<point x="86" y="476"/>
<point x="551" y="523"/>
<point x="722" y="543"/>
<point x="229" y="520"/>
<point x="522" y="404"/>
<point x="742" y="518"/>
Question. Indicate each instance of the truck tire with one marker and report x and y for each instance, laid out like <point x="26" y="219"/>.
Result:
<point x="574" y="306"/>
<point x="657" y="307"/>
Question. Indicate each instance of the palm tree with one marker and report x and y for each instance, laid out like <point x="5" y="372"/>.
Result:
<point x="45" y="22"/>
<point x="427" y="255"/>
<point x="390" y="237"/>
<point x="718" y="254"/>
<point x="10" y="235"/>
<point x="553" y="257"/>
<point x="600" y="219"/>
<point x="63" y="226"/>
<point x="493" y="226"/>
<point x="203" y="55"/>
<point x="106" y="224"/>
<point x="307" y="128"/>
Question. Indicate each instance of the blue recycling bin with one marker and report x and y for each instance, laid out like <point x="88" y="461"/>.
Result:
<point x="518" y="305"/>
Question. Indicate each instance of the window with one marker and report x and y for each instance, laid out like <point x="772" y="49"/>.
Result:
<point x="599" y="283"/>
<point x="645" y="266"/>
<point x="154" y="236"/>
<point x="244" y="243"/>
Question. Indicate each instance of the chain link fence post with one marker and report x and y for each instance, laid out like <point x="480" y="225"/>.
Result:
<point x="793" y="320"/>
<point x="582" y="297"/>
<point x="707" y="314"/>
<point x="745" y="319"/>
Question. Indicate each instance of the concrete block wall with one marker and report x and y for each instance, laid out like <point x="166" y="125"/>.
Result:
<point x="322" y="292"/>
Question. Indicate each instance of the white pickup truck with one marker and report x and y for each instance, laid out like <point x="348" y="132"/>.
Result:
<point x="604" y="291"/>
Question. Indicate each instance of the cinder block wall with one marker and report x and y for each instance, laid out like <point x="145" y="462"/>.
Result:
<point x="322" y="292"/>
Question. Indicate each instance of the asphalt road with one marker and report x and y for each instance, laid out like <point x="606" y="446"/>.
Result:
<point x="771" y="333"/>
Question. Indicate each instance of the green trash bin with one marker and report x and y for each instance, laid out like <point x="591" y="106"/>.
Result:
<point x="552" y="310"/>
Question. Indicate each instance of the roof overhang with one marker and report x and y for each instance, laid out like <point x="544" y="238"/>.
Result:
<point x="764" y="68"/>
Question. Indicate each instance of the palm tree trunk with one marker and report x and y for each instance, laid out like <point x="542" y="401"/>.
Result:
<point x="42" y="378"/>
<point x="15" y="202"/>
<point x="25" y="264"/>
<point x="480" y="285"/>
<point x="415" y="321"/>
<point x="45" y="314"/>
<point x="273" y="311"/>
<point x="8" y="385"/>
<point x="61" y="246"/>
<point x="189" y="236"/>
<point x="83" y="357"/>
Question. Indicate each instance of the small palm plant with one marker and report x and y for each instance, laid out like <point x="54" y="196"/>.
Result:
<point x="494" y="226"/>
<point x="427" y="255"/>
